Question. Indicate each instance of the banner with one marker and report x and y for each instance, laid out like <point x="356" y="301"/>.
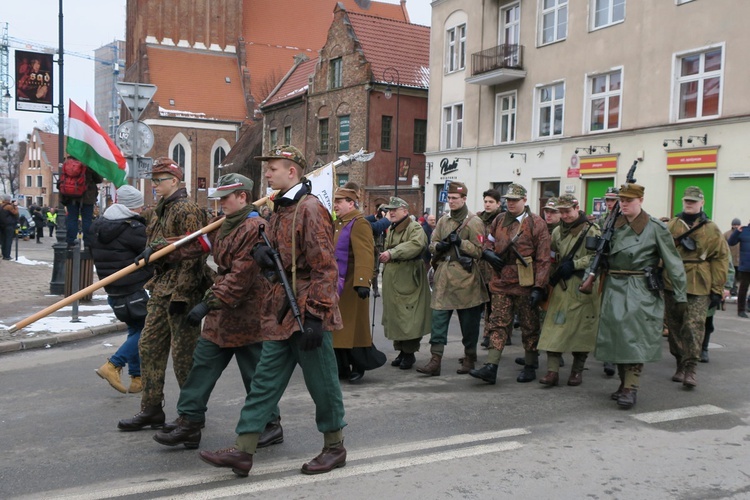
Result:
<point x="323" y="185"/>
<point x="34" y="81"/>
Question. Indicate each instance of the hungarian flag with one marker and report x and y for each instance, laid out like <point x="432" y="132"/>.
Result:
<point x="88" y="143"/>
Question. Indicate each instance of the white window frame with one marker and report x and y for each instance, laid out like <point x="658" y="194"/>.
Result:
<point x="512" y="113"/>
<point x="552" y="104"/>
<point x="591" y="96"/>
<point x="678" y="80"/>
<point x="555" y="10"/>
<point x="610" y="12"/>
<point x="452" y="127"/>
<point x="455" y="48"/>
<point x="514" y="28"/>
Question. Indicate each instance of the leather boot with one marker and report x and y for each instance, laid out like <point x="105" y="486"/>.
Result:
<point x="626" y="399"/>
<point x="112" y="374"/>
<point x="488" y="373"/>
<point x="522" y="361"/>
<point x="432" y="368"/>
<point x="136" y="385"/>
<point x="552" y="378"/>
<point x="407" y="361"/>
<point x="330" y="458"/>
<point x="152" y="416"/>
<point x="575" y="379"/>
<point x="689" y="378"/>
<point x="186" y="432"/>
<point x="239" y="461"/>
<point x="170" y="426"/>
<point x="467" y="364"/>
<point x="678" y="376"/>
<point x="272" y="434"/>
<point x="616" y="395"/>
<point x="527" y="374"/>
<point x="397" y="361"/>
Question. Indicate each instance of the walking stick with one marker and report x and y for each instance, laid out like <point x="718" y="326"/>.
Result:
<point x="114" y="277"/>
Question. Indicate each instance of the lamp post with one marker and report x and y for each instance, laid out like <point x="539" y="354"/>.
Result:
<point x="388" y="74"/>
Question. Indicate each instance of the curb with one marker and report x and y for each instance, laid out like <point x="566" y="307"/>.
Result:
<point x="62" y="338"/>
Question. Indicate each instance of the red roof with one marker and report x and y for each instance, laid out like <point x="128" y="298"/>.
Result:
<point x="49" y="147"/>
<point x="295" y="85"/>
<point x="394" y="44"/>
<point x="273" y="38"/>
<point x="197" y="82"/>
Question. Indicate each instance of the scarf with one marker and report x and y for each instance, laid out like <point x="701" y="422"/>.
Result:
<point x="235" y="219"/>
<point x="460" y="214"/>
<point x="690" y="218"/>
<point x="163" y="202"/>
<point x="488" y="217"/>
<point x="565" y="228"/>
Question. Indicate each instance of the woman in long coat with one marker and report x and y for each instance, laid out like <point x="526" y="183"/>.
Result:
<point x="355" y="255"/>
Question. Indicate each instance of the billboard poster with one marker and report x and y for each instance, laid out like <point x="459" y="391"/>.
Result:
<point x="34" y="81"/>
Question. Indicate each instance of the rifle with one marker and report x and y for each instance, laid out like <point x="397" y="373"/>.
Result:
<point x="602" y="246"/>
<point x="557" y="275"/>
<point x="685" y="240"/>
<point x="291" y="300"/>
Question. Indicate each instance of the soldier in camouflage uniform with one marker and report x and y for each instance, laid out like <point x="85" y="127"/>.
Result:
<point x="231" y="329"/>
<point x="175" y="289"/>
<point x="301" y="229"/>
<point x="456" y="246"/>
<point x="516" y="288"/>
<point x="705" y="256"/>
<point x="492" y="208"/>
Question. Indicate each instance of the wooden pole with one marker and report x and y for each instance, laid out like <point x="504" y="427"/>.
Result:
<point x="114" y="277"/>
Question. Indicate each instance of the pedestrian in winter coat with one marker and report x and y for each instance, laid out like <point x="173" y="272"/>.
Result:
<point x="116" y="239"/>
<point x="406" y="293"/>
<point x="741" y="236"/>
<point x="83" y="207"/>
<point x="39" y="221"/>
<point x="232" y="327"/>
<point x="632" y="314"/>
<point x="8" y="221"/>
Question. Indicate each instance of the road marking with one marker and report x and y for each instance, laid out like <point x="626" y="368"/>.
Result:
<point x="351" y="471"/>
<point x="679" y="413"/>
<point x="171" y="480"/>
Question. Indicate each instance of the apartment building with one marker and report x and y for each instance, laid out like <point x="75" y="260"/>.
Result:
<point x="562" y="96"/>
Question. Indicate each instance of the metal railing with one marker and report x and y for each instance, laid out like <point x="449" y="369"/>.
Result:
<point x="502" y="56"/>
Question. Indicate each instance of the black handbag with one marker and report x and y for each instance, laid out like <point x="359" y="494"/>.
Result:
<point x="368" y="358"/>
<point x="130" y="308"/>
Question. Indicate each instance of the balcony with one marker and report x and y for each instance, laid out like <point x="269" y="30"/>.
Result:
<point x="497" y="65"/>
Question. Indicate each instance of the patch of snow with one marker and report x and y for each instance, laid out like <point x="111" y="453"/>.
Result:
<point x="27" y="262"/>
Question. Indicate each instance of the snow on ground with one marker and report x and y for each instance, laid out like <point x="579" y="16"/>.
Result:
<point x="59" y="324"/>
<point x="27" y="262"/>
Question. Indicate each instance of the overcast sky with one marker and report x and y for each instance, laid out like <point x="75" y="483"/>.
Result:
<point x="36" y="24"/>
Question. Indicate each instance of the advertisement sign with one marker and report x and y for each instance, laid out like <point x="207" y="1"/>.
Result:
<point x="696" y="158"/>
<point x="34" y="81"/>
<point x="598" y="165"/>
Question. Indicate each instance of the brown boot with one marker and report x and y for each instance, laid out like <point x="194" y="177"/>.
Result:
<point x="149" y="416"/>
<point x="689" y="378"/>
<point x="679" y="375"/>
<point x="328" y="459"/>
<point x="467" y="364"/>
<point x="432" y="368"/>
<point x="552" y="378"/>
<point x="575" y="379"/>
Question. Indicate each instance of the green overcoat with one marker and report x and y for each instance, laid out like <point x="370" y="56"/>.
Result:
<point x="572" y="317"/>
<point x="406" y="293"/>
<point x="631" y="318"/>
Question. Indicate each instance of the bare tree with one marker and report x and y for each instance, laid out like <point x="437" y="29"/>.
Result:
<point x="10" y="165"/>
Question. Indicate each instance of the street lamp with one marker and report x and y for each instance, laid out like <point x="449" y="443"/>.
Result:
<point x="388" y="74"/>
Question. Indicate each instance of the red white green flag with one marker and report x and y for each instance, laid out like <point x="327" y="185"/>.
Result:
<point x="88" y="143"/>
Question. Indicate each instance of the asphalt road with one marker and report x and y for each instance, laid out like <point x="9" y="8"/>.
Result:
<point x="409" y="436"/>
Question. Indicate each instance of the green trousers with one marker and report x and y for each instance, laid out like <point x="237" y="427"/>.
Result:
<point x="277" y="363"/>
<point x="469" y="320"/>
<point x="209" y="362"/>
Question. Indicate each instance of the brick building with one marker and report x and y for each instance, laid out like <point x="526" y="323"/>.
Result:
<point x="367" y="89"/>
<point x="36" y="183"/>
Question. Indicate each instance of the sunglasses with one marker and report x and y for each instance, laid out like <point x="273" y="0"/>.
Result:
<point x="158" y="180"/>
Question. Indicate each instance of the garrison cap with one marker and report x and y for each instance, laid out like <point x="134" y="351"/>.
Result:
<point x="166" y="165"/>
<point x="693" y="193"/>
<point x="344" y="192"/>
<point x="395" y="203"/>
<point x="285" y="152"/>
<point x="515" y="192"/>
<point x="612" y="193"/>
<point x="567" y="201"/>
<point x="230" y="183"/>
<point x="552" y="204"/>
<point x="456" y="187"/>
<point x="631" y="191"/>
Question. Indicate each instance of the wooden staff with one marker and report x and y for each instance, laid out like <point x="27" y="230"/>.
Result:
<point x="114" y="277"/>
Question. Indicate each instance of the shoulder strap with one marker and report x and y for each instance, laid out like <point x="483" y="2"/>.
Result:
<point x="579" y="241"/>
<point x="294" y="244"/>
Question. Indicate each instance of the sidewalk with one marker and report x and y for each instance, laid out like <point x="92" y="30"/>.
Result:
<point x="26" y="291"/>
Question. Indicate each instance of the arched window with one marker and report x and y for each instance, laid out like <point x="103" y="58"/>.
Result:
<point x="178" y="155"/>
<point x="219" y="156"/>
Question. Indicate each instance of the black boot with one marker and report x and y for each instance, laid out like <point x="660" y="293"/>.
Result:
<point x="152" y="416"/>
<point x="272" y="434"/>
<point x="408" y="361"/>
<point x="488" y="373"/>
<point x="186" y="432"/>
<point x="527" y="374"/>
<point x="397" y="361"/>
<point x="170" y="426"/>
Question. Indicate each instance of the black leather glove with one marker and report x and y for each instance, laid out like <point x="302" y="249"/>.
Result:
<point x="537" y="295"/>
<point x="567" y="268"/>
<point x="177" y="308"/>
<point x="263" y="255"/>
<point x="145" y="255"/>
<point x="454" y="239"/>
<point x="442" y="246"/>
<point x="714" y="301"/>
<point x="363" y="292"/>
<point x="312" y="336"/>
<point x="197" y="313"/>
<point x="494" y="259"/>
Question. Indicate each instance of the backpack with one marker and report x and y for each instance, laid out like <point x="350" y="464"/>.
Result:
<point x="73" y="179"/>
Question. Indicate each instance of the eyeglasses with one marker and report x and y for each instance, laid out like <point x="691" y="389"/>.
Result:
<point x="158" y="180"/>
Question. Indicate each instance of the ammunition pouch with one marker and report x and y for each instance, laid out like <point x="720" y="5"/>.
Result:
<point x="465" y="263"/>
<point x="591" y="243"/>
<point x="654" y="279"/>
<point x="687" y="243"/>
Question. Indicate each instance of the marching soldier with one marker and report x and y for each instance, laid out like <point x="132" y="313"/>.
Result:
<point x="632" y="310"/>
<point x="518" y="250"/>
<point x="705" y="256"/>
<point x="572" y="317"/>
<point x="492" y="208"/>
<point x="456" y="246"/>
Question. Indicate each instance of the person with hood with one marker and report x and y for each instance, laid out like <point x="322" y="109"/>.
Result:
<point x="116" y="238"/>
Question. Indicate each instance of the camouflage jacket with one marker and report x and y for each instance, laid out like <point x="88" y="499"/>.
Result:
<point x="534" y="242"/>
<point x="239" y="286"/>
<point x="187" y="280"/>
<point x="706" y="266"/>
<point x="316" y="269"/>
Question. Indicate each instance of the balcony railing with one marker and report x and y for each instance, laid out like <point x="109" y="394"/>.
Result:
<point x="500" y="57"/>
